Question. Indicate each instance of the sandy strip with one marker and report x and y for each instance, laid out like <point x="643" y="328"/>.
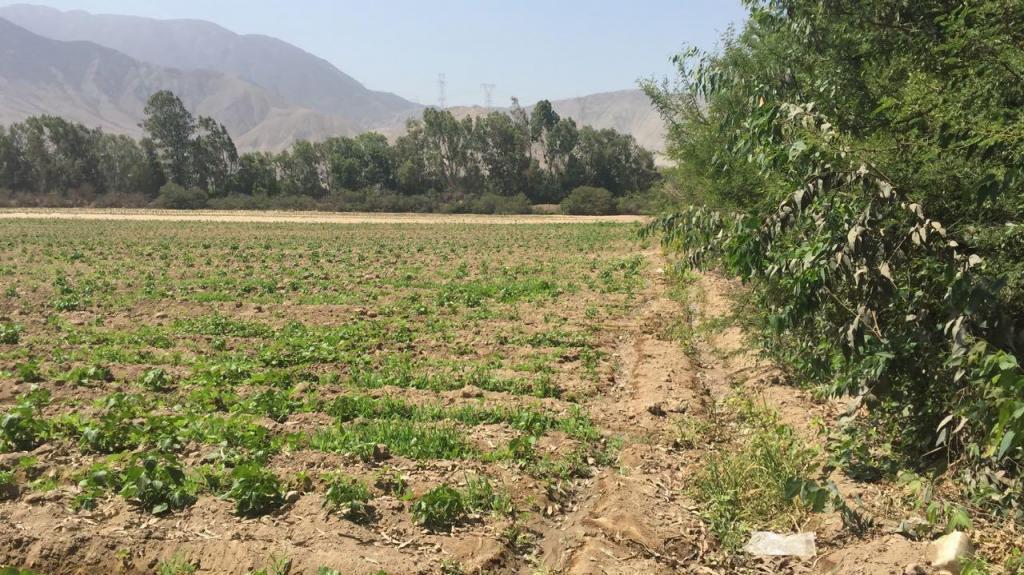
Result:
<point x="298" y="217"/>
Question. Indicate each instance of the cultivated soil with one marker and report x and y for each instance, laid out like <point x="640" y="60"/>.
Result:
<point x="561" y="321"/>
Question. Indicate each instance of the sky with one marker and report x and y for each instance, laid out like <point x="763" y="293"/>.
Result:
<point x="530" y="49"/>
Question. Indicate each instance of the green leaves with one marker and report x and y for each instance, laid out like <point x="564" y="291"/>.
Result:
<point x="893" y="259"/>
<point x="255" y="490"/>
<point x="156" y="483"/>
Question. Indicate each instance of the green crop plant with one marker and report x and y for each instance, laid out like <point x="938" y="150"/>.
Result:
<point x="10" y="333"/>
<point x="440" y="508"/>
<point x="156" y="483"/>
<point x="348" y="496"/>
<point x="255" y="490"/>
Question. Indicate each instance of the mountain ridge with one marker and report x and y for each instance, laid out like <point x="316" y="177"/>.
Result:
<point x="260" y="114"/>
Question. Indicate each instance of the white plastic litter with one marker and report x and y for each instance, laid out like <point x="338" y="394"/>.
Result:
<point x="768" y="544"/>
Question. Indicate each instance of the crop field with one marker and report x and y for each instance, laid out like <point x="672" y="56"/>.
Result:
<point x="227" y="397"/>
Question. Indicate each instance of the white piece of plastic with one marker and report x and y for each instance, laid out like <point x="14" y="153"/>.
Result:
<point x="768" y="544"/>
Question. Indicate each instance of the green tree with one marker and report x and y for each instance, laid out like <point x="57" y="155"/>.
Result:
<point x="171" y="127"/>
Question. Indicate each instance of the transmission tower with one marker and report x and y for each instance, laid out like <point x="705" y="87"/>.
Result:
<point x="488" y="95"/>
<point x="442" y="96"/>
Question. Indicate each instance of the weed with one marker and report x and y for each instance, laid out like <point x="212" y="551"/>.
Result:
<point x="751" y="485"/>
<point x="480" y="496"/>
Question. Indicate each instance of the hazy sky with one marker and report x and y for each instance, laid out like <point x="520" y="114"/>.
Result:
<point x="532" y="49"/>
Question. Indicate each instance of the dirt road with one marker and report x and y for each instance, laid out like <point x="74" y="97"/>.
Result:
<point x="299" y="217"/>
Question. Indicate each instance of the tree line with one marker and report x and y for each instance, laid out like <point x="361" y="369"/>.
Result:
<point x="861" y="165"/>
<point x="499" y="162"/>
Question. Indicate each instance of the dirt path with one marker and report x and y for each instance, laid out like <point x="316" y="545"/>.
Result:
<point x="299" y="217"/>
<point x="636" y="518"/>
<point x="632" y="519"/>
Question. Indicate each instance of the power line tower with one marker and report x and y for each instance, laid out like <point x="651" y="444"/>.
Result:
<point x="442" y="91"/>
<point x="488" y="95"/>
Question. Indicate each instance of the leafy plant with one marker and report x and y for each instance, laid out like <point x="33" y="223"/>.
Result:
<point x="10" y="333"/>
<point x="156" y="483"/>
<point x="347" y="495"/>
<point x="255" y="490"/>
<point x="21" y="428"/>
<point x="156" y="379"/>
<point x="439" y="508"/>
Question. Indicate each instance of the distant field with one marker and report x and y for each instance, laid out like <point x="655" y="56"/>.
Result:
<point x="343" y="396"/>
<point x="298" y="217"/>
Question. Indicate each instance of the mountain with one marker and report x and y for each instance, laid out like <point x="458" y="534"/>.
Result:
<point x="100" y="70"/>
<point x="285" y="71"/>
<point x="100" y="87"/>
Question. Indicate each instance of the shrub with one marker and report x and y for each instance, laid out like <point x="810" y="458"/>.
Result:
<point x="834" y="170"/>
<point x="589" y="201"/>
<point x="490" y="203"/>
<point x="175" y="197"/>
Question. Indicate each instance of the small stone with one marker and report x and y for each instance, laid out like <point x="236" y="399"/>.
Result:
<point x="292" y="497"/>
<point x="161" y="315"/>
<point x="371" y="314"/>
<point x="381" y="452"/>
<point x="657" y="410"/>
<point x="947" y="551"/>
<point x="915" y="569"/>
<point x="472" y="391"/>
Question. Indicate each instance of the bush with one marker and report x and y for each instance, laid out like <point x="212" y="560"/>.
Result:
<point x="174" y="197"/>
<point x="835" y="169"/>
<point x="589" y="201"/>
<point x="494" y="204"/>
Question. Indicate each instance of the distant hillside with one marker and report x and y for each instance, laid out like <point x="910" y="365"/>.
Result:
<point x="627" y="111"/>
<point x="100" y="69"/>
<point x="100" y="87"/>
<point x="295" y="76"/>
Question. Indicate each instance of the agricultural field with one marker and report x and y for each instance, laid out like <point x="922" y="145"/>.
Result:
<point x="232" y="397"/>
